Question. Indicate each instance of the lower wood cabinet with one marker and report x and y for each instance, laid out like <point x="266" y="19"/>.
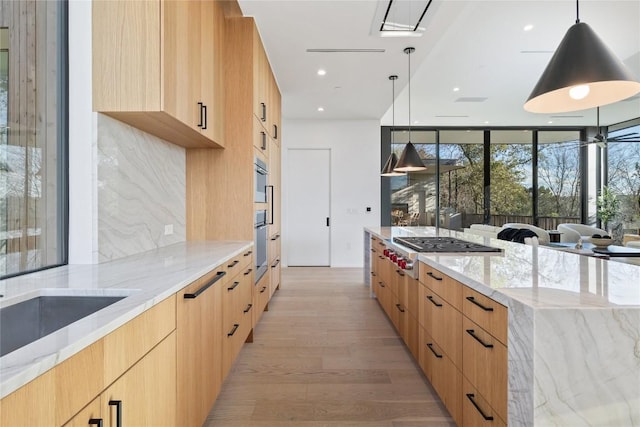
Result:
<point x="464" y="362"/>
<point x="146" y="394"/>
<point x="476" y="411"/>
<point x="93" y="411"/>
<point x="199" y="346"/>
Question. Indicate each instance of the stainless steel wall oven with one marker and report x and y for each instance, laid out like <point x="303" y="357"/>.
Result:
<point x="260" y="178"/>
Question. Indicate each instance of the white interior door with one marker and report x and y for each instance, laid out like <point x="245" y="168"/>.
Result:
<point x="309" y="207"/>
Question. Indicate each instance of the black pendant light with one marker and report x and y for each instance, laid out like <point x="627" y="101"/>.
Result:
<point x="583" y="73"/>
<point x="409" y="159"/>
<point x="392" y="161"/>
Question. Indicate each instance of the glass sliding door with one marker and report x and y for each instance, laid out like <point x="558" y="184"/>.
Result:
<point x="559" y="180"/>
<point x="511" y="177"/>
<point x="623" y="169"/>
<point x="461" y="177"/>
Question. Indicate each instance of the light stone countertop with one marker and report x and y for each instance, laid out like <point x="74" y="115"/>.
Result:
<point x="148" y="277"/>
<point x="537" y="276"/>
<point x="573" y="328"/>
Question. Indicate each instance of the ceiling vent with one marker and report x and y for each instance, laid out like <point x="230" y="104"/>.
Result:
<point x="471" y="99"/>
<point x="346" y="50"/>
<point x="400" y="18"/>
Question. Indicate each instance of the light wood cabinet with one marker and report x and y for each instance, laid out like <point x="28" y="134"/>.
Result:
<point x="162" y="72"/>
<point x="146" y="394"/>
<point x="199" y="346"/>
<point x="463" y="338"/>
<point x="484" y="365"/>
<point x="476" y="411"/>
<point x="220" y="183"/>
<point x="93" y="411"/>
<point x="32" y="404"/>
<point x="261" y="295"/>
<point x="237" y="321"/>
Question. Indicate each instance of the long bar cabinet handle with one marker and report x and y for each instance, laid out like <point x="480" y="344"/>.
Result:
<point x="430" y="274"/>
<point x="473" y="300"/>
<point x="475" y="337"/>
<point x="219" y="275"/>
<point x="246" y="310"/>
<point x="430" y="298"/>
<point x="233" y="264"/>
<point x="232" y="287"/>
<point x="399" y="307"/>
<point x="118" y="405"/>
<point x="95" y="422"/>
<point x="430" y="345"/>
<point x="200" y="104"/>
<point x="470" y="396"/>
<point x="275" y="264"/>
<point x="233" y="331"/>
<point x="204" y="113"/>
<point x="248" y="271"/>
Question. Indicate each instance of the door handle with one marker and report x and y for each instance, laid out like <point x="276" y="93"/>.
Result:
<point x="328" y="222"/>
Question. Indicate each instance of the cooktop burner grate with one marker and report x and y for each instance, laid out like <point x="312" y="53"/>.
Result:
<point x="442" y="244"/>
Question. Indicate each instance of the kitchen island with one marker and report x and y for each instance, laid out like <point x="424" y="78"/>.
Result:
<point x="573" y="335"/>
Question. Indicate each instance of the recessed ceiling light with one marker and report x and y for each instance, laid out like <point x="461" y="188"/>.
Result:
<point x="415" y="122"/>
<point x="486" y="122"/>
<point x="321" y="109"/>
<point x="322" y="72"/>
<point x="550" y="121"/>
<point x="528" y="27"/>
<point x="455" y="89"/>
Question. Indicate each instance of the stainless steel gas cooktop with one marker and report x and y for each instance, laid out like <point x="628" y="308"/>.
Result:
<point x="442" y="244"/>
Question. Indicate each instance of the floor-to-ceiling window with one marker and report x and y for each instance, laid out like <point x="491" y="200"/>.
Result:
<point x="559" y="180"/>
<point x="490" y="176"/>
<point x="32" y="135"/>
<point x="623" y="176"/>
<point x="511" y="176"/>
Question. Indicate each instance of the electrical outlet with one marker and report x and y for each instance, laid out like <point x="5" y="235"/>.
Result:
<point x="168" y="229"/>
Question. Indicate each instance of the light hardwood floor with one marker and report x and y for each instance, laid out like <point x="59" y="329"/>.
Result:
<point x="325" y="355"/>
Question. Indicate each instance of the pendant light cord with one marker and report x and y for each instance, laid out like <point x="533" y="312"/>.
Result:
<point x="393" y="110"/>
<point x="409" y="54"/>
<point x="577" y="12"/>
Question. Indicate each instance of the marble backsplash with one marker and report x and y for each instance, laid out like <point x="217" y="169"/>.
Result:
<point x="141" y="190"/>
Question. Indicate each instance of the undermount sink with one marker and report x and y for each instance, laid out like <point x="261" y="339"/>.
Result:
<point x="27" y="318"/>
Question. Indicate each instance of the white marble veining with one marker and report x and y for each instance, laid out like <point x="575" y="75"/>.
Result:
<point x="141" y="188"/>
<point x="573" y="328"/>
<point x="148" y="277"/>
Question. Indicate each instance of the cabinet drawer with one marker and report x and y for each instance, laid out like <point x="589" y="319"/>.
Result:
<point x="476" y="411"/>
<point x="238" y="263"/>
<point x="445" y="326"/>
<point x="485" y="365"/>
<point x="412" y="296"/>
<point x="233" y="338"/>
<point x="446" y="380"/>
<point x="127" y="344"/>
<point x="488" y="314"/>
<point x="275" y="275"/>
<point x="261" y="295"/>
<point x="443" y="285"/>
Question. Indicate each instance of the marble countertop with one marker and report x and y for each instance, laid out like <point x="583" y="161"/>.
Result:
<point x="536" y="276"/>
<point x="148" y="278"/>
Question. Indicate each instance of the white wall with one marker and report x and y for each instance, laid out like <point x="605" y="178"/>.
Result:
<point x="355" y="180"/>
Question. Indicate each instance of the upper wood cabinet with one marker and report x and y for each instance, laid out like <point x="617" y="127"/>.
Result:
<point x="266" y="95"/>
<point x="157" y="65"/>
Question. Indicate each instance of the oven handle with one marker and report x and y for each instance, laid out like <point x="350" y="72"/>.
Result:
<point x="271" y="204"/>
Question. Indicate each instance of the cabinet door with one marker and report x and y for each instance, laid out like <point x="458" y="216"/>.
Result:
<point x="199" y="351"/>
<point x="212" y="66"/>
<point x="92" y="411"/>
<point x="182" y="56"/>
<point x="146" y="392"/>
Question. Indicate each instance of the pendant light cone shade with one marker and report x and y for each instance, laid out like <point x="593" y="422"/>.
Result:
<point x="410" y="160"/>
<point x="392" y="161"/>
<point x="583" y="73"/>
<point x="387" y="170"/>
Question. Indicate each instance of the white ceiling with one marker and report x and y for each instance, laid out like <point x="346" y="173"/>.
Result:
<point x="475" y="45"/>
